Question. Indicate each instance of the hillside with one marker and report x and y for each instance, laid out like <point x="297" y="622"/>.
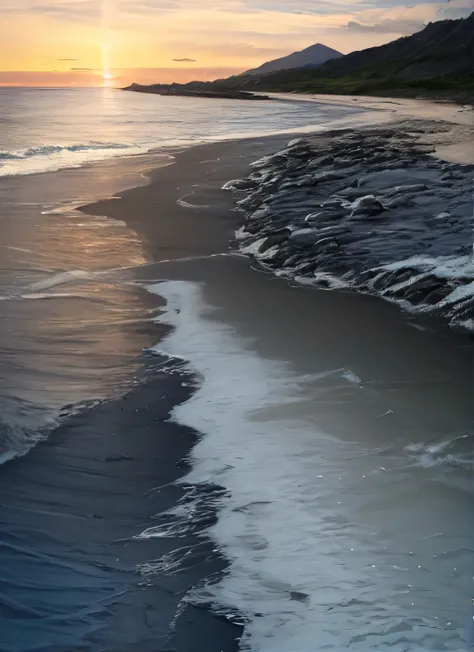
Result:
<point x="439" y="58"/>
<point x="437" y="61"/>
<point x="310" y="57"/>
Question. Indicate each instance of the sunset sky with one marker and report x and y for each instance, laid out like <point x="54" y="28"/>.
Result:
<point x="114" y="42"/>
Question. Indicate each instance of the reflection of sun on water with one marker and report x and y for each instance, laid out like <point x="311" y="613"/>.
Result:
<point x="107" y="78"/>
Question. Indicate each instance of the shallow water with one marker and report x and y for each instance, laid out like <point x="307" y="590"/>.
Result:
<point x="346" y="449"/>
<point x="334" y="441"/>
<point x="83" y="439"/>
<point x="69" y="333"/>
<point x="51" y="129"/>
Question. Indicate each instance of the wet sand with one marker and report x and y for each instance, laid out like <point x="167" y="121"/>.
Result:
<point x="183" y="212"/>
<point x="362" y="387"/>
<point x="360" y="418"/>
<point x="403" y="406"/>
<point x="73" y="574"/>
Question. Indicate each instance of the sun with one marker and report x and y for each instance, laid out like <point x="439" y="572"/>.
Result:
<point x="106" y="74"/>
<point x="107" y="79"/>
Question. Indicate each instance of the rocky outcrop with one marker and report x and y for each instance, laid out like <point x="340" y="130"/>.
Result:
<point x="183" y="91"/>
<point x="373" y="211"/>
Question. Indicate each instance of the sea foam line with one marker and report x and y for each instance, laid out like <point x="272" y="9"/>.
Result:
<point x="300" y="569"/>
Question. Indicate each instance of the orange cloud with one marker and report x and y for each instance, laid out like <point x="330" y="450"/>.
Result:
<point x="137" y="40"/>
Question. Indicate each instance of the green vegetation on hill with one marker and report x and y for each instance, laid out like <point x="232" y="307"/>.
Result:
<point x="366" y="83"/>
<point x="438" y="59"/>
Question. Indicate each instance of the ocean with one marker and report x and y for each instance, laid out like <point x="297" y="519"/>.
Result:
<point x="50" y="129"/>
<point x="195" y="456"/>
<point x="48" y="247"/>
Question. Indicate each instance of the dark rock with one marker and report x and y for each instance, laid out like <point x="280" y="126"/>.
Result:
<point x="322" y="216"/>
<point x="327" y="175"/>
<point x="304" y="237"/>
<point x="276" y="239"/>
<point x="411" y="189"/>
<point x="260" y="213"/>
<point x="352" y="193"/>
<point x="367" y="206"/>
<point x="327" y="243"/>
<point x="240" y="184"/>
<point x="296" y="207"/>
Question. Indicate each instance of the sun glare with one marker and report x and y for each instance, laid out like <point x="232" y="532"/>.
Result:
<point x="107" y="79"/>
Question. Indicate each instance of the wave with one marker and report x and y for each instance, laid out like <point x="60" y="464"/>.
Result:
<point x="49" y="158"/>
<point x="61" y="278"/>
<point x="22" y="425"/>
<point x="37" y="290"/>
<point x="456" y="452"/>
<point x="300" y="564"/>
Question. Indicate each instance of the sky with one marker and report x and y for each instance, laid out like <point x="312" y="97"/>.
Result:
<point x="115" y="42"/>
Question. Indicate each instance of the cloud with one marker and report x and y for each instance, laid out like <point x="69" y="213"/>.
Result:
<point x="8" y="8"/>
<point x="85" y="11"/>
<point x="387" y="27"/>
<point x="119" y="10"/>
<point x="403" y="20"/>
<point x="231" y="34"/>
<point x="456" y="9"/>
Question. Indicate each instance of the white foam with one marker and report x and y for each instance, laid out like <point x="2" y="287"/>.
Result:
<point x="253" y="250"/>
<point x="60" y="278"/>
<point x="185" y="204"/>
<point x="442" y="453"/>
<point x="322" y="281"/>
<point x="25" y="251"/>
<point x="244" y="452"/>
<point x="442" y="266"/>
<point x="241" y="233"/>
<point x="56" y="157"/>
<point x="233" y="184"/>
<point x="458" y="269"/>
<point x="283" y="523"/>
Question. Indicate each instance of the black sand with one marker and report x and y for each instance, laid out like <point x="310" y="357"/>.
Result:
<point x="70" y="508"/>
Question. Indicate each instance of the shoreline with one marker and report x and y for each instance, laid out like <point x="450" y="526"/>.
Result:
<point x="382" y="109"/>
<point x="250" y="194"/>
<point x="184" y="222"/>
<point x="110" y="473"/>
<point x="370" y="211"/>
<point x="207" y="167"/>
<point x="203" y="170"/>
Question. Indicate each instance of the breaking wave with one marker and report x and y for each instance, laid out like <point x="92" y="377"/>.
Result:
<point x="48" y="158"/>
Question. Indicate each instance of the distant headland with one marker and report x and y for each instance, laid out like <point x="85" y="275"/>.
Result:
<point x="436" y="62"/>
<point x="181" y="91"/>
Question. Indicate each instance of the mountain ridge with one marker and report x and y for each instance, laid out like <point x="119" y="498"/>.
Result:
<point x="439" y="57"/>
<point x="312" y="56"/>
<point x="436" y="61"/>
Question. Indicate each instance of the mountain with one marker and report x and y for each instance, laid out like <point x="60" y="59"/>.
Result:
<point x="310" y="57"/>
<point x="438" y="58"/>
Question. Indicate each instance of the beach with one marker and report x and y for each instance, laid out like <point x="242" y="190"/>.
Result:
<point x="338" y="376"/>
<point x="258" y="464"/>
<point x="85" y="476"/>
